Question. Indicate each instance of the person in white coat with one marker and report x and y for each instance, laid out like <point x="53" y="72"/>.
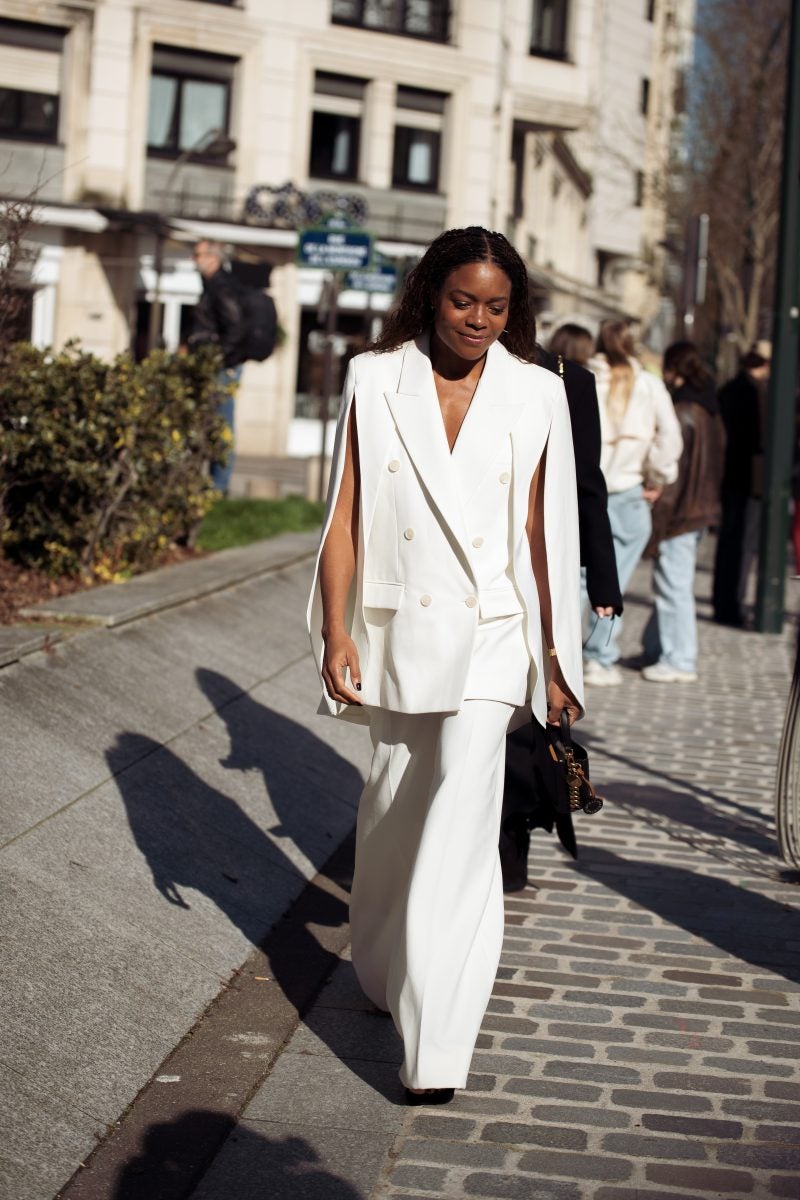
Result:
<point x="641" y="446"/>
<point x="445" y="606"/>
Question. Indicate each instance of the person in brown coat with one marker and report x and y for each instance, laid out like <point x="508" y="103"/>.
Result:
<point x="684" y="509"/>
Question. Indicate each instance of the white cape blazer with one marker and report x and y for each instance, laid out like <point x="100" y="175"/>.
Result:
<point x="412" y="610"/>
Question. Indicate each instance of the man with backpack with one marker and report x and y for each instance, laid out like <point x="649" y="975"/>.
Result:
<point x="241" y="321"/>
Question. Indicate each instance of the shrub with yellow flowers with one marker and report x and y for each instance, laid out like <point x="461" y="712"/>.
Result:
<point x="104" y="465"/>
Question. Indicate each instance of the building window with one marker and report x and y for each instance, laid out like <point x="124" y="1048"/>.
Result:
<point x="604" y="260"/>
<point x="30" y="79"/>
<point x="416" y="158"/>
<point x="549" y="28"/>
<point x="336" y="126"/>
<point x="418" y="138"/>
<point x="644" y="97"/>
<point x="29" y="116"/>
<point x="411" y="18"/>
<point x="190" y="100"/>
<point x="651" y="10"/>
<point x="638" y="189"/>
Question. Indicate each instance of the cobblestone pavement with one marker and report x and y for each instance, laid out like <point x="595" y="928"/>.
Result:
<point x="642" y="1040"/>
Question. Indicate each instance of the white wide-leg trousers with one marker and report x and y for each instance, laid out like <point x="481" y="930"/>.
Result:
<point x="427" y="903"/>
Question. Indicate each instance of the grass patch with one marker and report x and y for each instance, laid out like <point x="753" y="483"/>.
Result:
<point x="237" y="522"/>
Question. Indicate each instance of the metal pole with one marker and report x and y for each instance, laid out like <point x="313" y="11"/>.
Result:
<point x="327" y="377"/>
<point x="780" y="439"/>
<point x="154" y="324"/>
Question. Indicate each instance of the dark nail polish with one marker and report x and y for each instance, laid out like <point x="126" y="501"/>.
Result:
<point x="358" y="687"/>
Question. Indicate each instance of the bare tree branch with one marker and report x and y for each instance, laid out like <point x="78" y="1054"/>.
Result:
<point x="734" y="161"/>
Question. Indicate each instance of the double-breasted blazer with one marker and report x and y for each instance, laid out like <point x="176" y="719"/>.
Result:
<point x="417" y="598"/>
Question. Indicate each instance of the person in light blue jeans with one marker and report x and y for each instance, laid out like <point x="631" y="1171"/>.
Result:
<point x="631" y="525"/>
<point x="670" y="636"/>
<point x="228" y="381"/>
<point x="640" y="447"/>
<point x="220" y="320"/>
<point x="680" y="514"/>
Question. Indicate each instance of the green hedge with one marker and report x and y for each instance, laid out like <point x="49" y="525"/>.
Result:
<point x="103" y="465"/>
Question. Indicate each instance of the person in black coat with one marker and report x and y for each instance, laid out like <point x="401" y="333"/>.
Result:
<point x="597" y="546"/>
<point x="740" y="402"/>
<point x="523" y="809"/>
<point x="219" y="320"/>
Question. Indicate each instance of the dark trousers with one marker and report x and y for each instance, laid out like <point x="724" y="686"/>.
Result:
<point x="736" y="544"/>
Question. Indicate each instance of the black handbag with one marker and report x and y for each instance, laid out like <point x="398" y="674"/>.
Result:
<point x="546" y="773"/>
<point x="572" y="788"/>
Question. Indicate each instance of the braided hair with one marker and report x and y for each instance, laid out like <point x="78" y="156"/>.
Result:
<point x="454" y="248"/>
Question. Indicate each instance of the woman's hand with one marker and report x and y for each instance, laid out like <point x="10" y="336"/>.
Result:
<point x="651" y="493"/>
<point x="559" y="697"/>
<point x="604" y="610"/>
<point x="339" y="657"/>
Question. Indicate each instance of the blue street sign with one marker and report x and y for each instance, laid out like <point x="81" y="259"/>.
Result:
<point x="334" y="250"/>
<point x="373" y="279"/>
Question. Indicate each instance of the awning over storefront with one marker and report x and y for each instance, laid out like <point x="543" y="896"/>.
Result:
<point x="257" y="235"/>
<point x="229" y="231"/>
<point x="87" y="220"/>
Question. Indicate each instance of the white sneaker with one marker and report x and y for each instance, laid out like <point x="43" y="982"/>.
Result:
<point x="662" y="673"/>
<point x="599" y="676"/>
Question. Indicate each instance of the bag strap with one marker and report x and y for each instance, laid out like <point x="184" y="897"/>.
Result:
<point x="561" y="365"/>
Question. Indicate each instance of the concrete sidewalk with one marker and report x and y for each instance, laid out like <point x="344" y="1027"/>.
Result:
<point x="642" y="1040"/>
<point x="166" y="793"/>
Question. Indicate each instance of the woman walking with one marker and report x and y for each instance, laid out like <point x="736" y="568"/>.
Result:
<point x="681" y="513"/>
<point x="444" y="608"/>
<point x="641" y="447"/>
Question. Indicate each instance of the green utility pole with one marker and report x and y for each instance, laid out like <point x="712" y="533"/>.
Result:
<point x="780" y="439"/>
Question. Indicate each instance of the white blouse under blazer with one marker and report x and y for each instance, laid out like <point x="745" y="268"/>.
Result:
<point x="421" y="586"/>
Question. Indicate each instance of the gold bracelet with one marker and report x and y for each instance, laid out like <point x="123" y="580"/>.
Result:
<point x="551" y="650"/>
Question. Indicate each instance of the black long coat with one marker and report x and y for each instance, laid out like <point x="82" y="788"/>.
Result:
<point x="597" y="546"/>
<point x="523" y="807"/>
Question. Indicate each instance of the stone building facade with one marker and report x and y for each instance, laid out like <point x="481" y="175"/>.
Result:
<point x="141" y="126"/>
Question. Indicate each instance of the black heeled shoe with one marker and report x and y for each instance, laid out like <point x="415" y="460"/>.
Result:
<point x="435" y="1096"/>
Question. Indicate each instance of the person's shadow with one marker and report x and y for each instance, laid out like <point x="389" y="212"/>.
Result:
<point x="610" y="757"/>
<point x="742" y="923"/>
<point x="195" y="837"/>
<point x="251" y="1166"/>
<point x="691" y="820"/>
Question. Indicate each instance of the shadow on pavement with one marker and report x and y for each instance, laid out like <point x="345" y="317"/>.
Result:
<point x="684" y="808"/>
<point x="602" y="752"/>
<point x="295" y="763"/>
<point x="741" y="922"/>
<point x="194" y="836"/>
<point x="252" y="1166"/>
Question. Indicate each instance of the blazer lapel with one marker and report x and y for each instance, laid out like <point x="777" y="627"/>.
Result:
<point x="496" y="407"/>
<point x="415" y="409"/>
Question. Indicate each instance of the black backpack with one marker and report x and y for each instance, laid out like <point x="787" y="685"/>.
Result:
<point x="261" y="321"/>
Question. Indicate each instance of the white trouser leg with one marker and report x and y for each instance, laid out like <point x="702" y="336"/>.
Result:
<point x="427" y="902"/>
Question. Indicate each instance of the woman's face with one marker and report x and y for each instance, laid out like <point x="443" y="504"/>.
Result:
<point x="471" y="310"/>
